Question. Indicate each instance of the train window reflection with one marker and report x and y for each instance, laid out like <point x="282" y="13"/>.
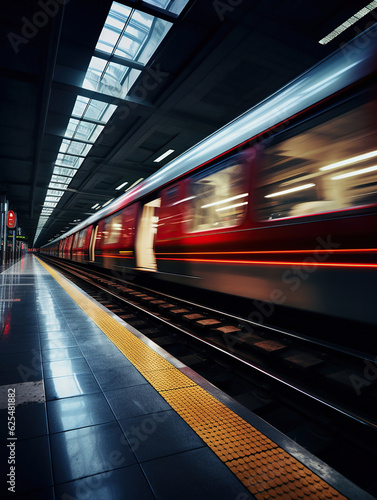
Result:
<point x="113" y="228"/>
<point x="81" y="238"/>
<point x="219" y="198"/>
<point x="329" y="167"/>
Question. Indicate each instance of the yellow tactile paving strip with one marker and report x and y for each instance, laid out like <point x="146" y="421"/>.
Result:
<point x="264" y="468"/>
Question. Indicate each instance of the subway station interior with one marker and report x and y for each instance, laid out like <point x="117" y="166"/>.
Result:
<point x="188" y="250"/>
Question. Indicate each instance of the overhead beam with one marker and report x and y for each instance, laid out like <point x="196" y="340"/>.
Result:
<point x="118" y="60"/>
<point x="149" y="9"/>
<point x="98" y="96"/>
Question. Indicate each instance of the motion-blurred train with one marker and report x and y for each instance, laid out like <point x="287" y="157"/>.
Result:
<point x="280" y="205"/>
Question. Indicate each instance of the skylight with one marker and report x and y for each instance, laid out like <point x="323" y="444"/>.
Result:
<point x="133" y="37"/>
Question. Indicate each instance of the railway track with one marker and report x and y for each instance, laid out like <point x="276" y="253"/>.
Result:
<point x="321" y="394"/>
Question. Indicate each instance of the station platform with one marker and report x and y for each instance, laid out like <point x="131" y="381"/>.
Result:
<point x="92" y="409"/>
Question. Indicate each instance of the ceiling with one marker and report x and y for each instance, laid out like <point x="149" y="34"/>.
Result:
<point x="220" y="58"/>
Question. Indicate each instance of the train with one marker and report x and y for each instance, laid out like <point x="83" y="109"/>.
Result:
<point x="279" y="206"/>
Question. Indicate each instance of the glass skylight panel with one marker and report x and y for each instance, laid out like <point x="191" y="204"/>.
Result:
<point x="142" y="36"/>
<point x="57" y="186"/>
<point x="69" y="160"/>
<point x="75" y="148"/>
<point x="128" y="47"/>
<point x="98" y="110"/>
<point x="119" y="79"/>
<point x="54" y="192"/>
<point x="93" y="75"/>
<point x="84" y="131"/>
<point x="60" y="179"/>
<point x="52" y="198"/>
<point x="173" y="6"/>
<point x="80" y="106"/>
<point x="108" y="39"/>
<point x="113" y="27"/>
<point x="69" y="172"/>
<point x="107" y="112"/>
<point x="132" y="35"/>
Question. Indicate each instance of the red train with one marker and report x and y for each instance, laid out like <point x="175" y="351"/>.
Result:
<point x="280" y="205"/>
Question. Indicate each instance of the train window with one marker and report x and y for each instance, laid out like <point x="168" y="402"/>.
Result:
<point x="219" y="197"/>
<point x="113" y="229"/>
<point x="81" y="239"/>
<point x="329" y="167"/>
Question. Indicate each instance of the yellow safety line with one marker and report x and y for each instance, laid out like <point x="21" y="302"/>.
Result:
<point x="264" y="468"/>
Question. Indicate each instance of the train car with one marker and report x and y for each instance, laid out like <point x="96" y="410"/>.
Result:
<point x="278" y="206"/>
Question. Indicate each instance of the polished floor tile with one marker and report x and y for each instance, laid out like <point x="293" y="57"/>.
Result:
<point x="31" y="421"/>
<point x="130" y="402"/>
<point x="127" y="483"/>
<point x="33" y="465"/>
<point x="19" y="337"/>
<point x="61" y="354"/>
<point x="23" y="329"/>
<point x="49" y="335"/>
<point x="44" y="494"/>
<point x="55" y="327"/>
<point x="20" y="367"/>
<point x="114" y="360"/>
<point x="65" y="367"/>
<point x="197" y="474"/>
<point x="79" y="411"/>
<point x="91" y="348"/>
<point x="90" y="450"/>
<point x="17" y="345"/>
<point x="58" y="343"/>
<point x="85" y="326"/>
<point x="116" y="378"/>
<point x="159" y="434"/>
<point x="70" y="386"/>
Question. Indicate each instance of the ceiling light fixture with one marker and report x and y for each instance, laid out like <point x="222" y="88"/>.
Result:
<point x="134" y="184"/>
<point x="349" y="22"/>
<point x="120" y="187"/>
<point x="109" y="201"/>
<point x="164" y="155"/>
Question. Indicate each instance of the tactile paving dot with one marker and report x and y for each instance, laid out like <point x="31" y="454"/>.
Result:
<point x="260" y="464"/>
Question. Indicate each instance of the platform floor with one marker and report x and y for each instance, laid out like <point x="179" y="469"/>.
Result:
<point x="103" y="413"/>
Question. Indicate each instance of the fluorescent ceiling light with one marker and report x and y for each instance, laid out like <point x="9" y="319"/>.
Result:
<point x="355" y="172"/>
<point x="226" y="200"/>
<point x="350" y="21"/>
<point x="231" y="206"/>
<point x="109" y="201"/>
<point x="167" y="153"/>
<point x="134" y="184"/>
<point x="349" y="161"/>
<point x="122" y="185"/>
<point x="95" y="206"/>
<point x="291" y="190"/>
